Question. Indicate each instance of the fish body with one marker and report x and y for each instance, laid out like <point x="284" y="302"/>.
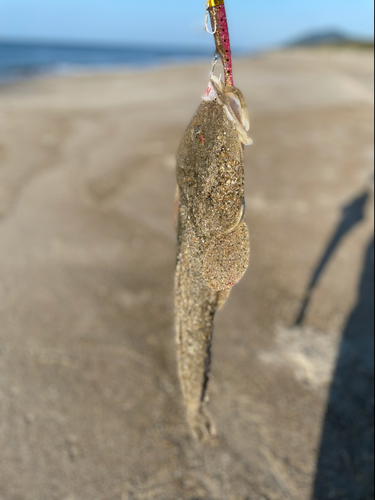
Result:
<point x="213" y="240"/>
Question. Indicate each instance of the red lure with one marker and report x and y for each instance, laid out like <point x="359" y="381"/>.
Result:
<point x="216" y="9"/>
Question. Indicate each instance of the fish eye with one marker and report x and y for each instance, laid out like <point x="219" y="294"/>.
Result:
<point x="197" y="131"/>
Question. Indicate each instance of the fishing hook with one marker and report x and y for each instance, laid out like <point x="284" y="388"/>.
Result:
<point x="208" y="31"/>
<point x="214" y="62"/>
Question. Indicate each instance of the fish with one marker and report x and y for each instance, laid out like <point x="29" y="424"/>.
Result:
<point x="213" y="246"/>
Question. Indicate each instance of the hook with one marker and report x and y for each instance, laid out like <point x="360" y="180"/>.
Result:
<point x="214" y="62"/>
<point x="208" y="31"/>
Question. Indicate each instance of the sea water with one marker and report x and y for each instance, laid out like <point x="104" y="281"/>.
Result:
<point x="21" y="60"/>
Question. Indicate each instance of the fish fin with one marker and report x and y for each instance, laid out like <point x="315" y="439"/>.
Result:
<point x="242" y="134"/>
<point x="239" y="109"/>
<point x="222" y="298"/>
<point x="176" y="208"/>
<point x="227" y="259"/>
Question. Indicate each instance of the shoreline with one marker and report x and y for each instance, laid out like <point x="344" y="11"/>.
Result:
<point x="76" y="70"/>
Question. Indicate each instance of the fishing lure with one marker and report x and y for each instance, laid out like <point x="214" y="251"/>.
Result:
<point x="217" y="13"/>
<point x="213" y="240"/>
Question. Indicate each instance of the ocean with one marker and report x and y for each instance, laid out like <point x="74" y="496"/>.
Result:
<point x="22" y="60"/>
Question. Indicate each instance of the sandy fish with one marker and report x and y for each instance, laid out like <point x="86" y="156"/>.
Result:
<point x="213" y="241"/>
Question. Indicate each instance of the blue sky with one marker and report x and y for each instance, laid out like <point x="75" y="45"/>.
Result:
<point x="253" y="24"/>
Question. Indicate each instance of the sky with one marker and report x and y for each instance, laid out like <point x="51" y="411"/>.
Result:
<point x="253" y="24"/>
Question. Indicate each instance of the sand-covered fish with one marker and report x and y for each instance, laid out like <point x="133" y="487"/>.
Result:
<point x="213" y="240"/>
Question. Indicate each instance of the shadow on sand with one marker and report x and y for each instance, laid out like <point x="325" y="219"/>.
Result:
<point x="345" y="468"/>
<point x="352" y="214"/>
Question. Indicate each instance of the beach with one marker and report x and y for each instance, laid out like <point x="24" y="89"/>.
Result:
<point x="90" y="404"/>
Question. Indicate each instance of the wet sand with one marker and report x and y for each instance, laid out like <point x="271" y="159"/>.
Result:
<point x="90" y="405"/>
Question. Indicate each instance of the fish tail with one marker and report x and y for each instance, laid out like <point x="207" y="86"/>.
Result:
<point x="195" y="306"/>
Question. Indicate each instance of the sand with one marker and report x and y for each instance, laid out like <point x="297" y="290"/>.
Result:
<point x="90" y="405"/>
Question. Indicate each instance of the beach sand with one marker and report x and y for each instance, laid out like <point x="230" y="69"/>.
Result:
<point x="90" y="405"/>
